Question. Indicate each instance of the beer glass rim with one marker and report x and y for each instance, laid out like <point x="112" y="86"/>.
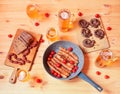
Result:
<point x="64" y="10"/>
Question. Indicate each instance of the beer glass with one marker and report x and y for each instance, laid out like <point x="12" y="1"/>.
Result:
<point x="52" y="34"/>
<point x="105" y="58"/>
<point x="65" y="23"/>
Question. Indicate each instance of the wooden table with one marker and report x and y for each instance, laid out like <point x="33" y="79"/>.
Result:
<point x="13" y="16"/>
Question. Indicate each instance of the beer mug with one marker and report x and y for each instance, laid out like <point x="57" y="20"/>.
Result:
<point x="105" y="58"/>
<point x="34" y="11"/>
<point x="65" y="22"/>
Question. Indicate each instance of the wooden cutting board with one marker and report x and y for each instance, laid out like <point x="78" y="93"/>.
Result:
<point x="30" y="56"/>
<point x="99" y="43"/>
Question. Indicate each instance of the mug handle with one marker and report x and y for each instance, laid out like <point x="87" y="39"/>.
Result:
<point x="87" y="79"/>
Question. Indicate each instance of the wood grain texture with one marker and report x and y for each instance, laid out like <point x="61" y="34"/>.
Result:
<point x="13" y="16"/>
<point x="30" y="56"/>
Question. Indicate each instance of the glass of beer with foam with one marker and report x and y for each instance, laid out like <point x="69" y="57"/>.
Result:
<point x="65" y="23"/>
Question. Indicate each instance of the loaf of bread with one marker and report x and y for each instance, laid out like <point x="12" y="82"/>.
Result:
<point x="22" y="42"/>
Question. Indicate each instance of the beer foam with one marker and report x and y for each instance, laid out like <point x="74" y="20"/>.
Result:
<point x="64" y="15"/>
<point x="22" y="75"/>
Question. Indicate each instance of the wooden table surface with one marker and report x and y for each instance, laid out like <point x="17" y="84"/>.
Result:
<point x="13" y="16"/>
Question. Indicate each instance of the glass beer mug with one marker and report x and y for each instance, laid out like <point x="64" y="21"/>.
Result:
<point x="105" y="58"/>
<point x="34" y="11"/>
<point x="65" y="22"/>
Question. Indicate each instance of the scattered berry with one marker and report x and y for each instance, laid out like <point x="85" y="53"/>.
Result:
<point x="97" y="15"/>
<point x="109" y="28"/>
<point x="70" y="49"/>
<point x="106" y="76"/>
<point x="38" y="80"/>
<point x="47" y="14"/>
<point x="1" y="77"/>
<point x="80" y="14"/>
<point x="98" y="72"/>
<point x="37" y="23"/>
<point x="10" y="35"/>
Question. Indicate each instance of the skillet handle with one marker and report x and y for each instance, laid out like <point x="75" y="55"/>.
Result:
<point x="87" y="79"/>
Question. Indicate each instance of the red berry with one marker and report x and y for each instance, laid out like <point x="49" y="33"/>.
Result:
<point x="55" y="74"/>
<point x="50" y="56"/>
<point x="52" y="52"/>
<point x="109" y="28"/>
<point x="58" y="65"/>
<point x="37" y="23"/>
<point x="98" y="72"/>
<point x="49" y="59"/>
<point x="74" y="70"/>
<point x="72" y="62"/>
<point x="47" y="14"/>
<point x="106" y="76"/>
<point x="10" y="35"/>
<point x="76" y="67"/>
<point x="38" y="80"/>
<point x="59" y="76"/>
<point x="52" y="71"/>
<point x="64" y="61"/>
<point x="97" y="15"/>
<point x="70" y="49"/>
<point x="80" y="14"/>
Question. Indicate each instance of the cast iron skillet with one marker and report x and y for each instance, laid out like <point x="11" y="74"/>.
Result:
<point x="66" y="44"/>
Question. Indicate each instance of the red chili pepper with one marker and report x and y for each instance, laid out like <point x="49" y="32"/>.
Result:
<point x="10" y="35"/>
<point x="80" y="13"/>
<point x="97" y="15"/>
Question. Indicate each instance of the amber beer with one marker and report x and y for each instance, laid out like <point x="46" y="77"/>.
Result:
<point x="35" y="12"/>
<point x="64" y="20"/>
<point x="52" y="34"/>
<point x="104" y="58"/>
